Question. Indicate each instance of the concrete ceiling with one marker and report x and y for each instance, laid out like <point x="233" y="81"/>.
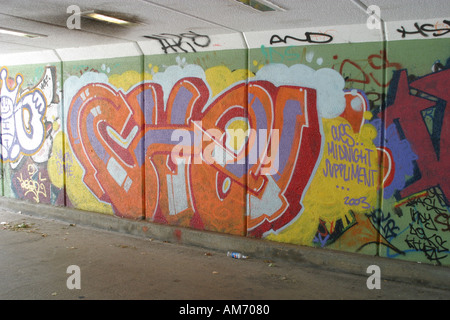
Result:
<point x="49" y="17"/>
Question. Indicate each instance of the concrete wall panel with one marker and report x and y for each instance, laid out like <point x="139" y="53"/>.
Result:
<point x="32" y="121"/>
<point x="334" y="137"/>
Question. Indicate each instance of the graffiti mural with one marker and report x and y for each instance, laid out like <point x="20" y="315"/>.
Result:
<point x="22" y="116"/>
<point x="318" y="145"/>
<point x="114" y="150"/>
<point x="423" y="120"/>
<point x="418" y="135"/>
<point x="104" y="144"/>
<point x="29" y="121"/>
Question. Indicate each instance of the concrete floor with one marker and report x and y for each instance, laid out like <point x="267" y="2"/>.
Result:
<point x="36" y="252"/>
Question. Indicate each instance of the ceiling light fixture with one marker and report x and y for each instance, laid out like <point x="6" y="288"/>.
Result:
<point x="261" y="5"/>
<point x="105" y="18"/>
<point x="19" y="33"/>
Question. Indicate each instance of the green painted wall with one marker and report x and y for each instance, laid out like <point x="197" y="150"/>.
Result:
<point x="346" y="149"/>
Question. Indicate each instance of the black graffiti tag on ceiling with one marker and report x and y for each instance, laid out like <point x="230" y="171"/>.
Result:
<point x="426" y="28"/>
<point x="310" y="37"/>
<point x="183" y="42"/>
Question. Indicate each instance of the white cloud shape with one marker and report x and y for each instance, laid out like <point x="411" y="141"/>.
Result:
<point x="328" y="84"/>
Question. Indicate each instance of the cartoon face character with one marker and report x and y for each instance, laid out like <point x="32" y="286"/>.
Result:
<point x="6" y="107"/>
<point x="22" y="127"/>
<point x="8" y="125"/>
<point x="8" y="99"/>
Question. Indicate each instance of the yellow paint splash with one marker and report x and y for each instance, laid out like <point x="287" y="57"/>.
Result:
<point x="220" y="77"/>
<point x="128" y="79"/>
<point x="63" y="160"/>
<point x="329" y="198"/>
